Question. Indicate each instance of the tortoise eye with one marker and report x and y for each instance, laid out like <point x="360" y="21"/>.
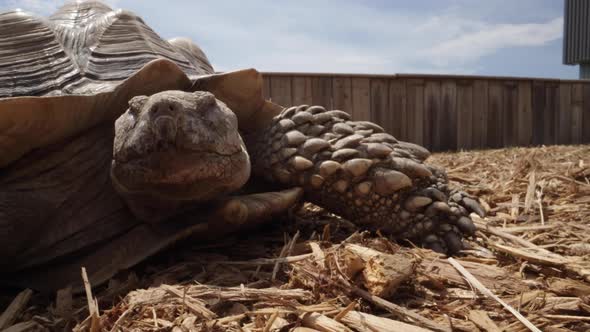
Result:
<point x="136" y="104"/>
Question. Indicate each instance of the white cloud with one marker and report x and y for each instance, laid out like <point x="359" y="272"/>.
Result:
<point x="470" y="46"/>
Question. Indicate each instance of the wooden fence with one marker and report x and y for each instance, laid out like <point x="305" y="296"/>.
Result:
<point x="449" y="112"/>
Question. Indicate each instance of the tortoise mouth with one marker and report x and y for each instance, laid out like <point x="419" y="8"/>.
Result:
<point x="169" y="153"/>
<point x="182" y="174"/>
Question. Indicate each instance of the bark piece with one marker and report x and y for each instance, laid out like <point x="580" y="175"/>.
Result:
<point x="382" y="273"/>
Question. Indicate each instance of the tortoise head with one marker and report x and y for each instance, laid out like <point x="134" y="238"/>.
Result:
<point x="174" y="148"/>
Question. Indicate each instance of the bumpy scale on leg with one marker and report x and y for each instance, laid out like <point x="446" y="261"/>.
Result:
<point x="356" y="170"/>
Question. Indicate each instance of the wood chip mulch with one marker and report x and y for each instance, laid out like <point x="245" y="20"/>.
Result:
<point x="528" y="269"/>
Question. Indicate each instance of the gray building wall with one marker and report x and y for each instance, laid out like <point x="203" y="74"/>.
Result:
<point x="576" y="35"/>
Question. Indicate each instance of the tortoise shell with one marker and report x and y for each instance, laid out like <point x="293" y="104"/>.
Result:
<point x="67" y="73"/>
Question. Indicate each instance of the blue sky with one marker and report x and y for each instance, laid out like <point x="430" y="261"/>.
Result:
<point x="479" y="37"/>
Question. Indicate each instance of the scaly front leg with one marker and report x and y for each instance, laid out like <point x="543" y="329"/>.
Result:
<point x="356" y="170"/>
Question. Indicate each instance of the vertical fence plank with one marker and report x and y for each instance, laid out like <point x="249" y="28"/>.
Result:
<point x="415" y="111"/>
<point x="266" y="87"/>
<point x="586" y="115"/>
<point x="432" y="120"/>
<point x="510" y="108"/>
<point x="302" y="90"/>
<point x="480" y="113"/>
<point x="321" y="91"/>
<point x="539" y="108"/>
<point x="495" y="137"/>
<point x="449" y="114"/>
<point x="551" y="116"/>
<point x="525" y="114"/>
<point x="342" y="94"/>
<point x="280" y="90"/>
<point x="397" y="106"/>
<point x="464" y="114"/>
<point x="564" y="124"/>
<point x="413" y="105"/>
<point x="361" y="100"/>
<point x="577" y="113"/>
<point x="380" y="113"/>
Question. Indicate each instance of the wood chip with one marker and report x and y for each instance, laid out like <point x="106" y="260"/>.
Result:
<point x="93" y="311"/>
<point x="395" y="309"/>
<point x="323" y="323"/>
<point x="15" y="308"/>
<point x="483" y="321"/>
<point x="364" y="322"/>
<point x="383" y="273"/>
<point x="479" y="286"/>
<point x="196" y="306"/>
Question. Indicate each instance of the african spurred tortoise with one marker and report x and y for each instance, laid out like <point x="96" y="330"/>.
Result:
<point x="77" y="191"/>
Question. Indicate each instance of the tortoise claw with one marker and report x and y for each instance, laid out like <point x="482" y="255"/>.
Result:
<point x="466" y="225"/>
<point x="445" y="240"/>
<point x="466" y="201"/>
<point x="436" y="246"/>
<point x="453" y="242"/>
<point x="474" y="206"/>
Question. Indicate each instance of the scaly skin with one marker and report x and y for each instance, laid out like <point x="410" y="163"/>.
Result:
<point x="356" y="170"/>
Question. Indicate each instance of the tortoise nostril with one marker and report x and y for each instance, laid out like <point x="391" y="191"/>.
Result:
<point x="162" y="109"/>
<point x="165" y="128"/>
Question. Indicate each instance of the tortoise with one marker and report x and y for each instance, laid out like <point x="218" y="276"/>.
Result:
<point x="116" y="144"/>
